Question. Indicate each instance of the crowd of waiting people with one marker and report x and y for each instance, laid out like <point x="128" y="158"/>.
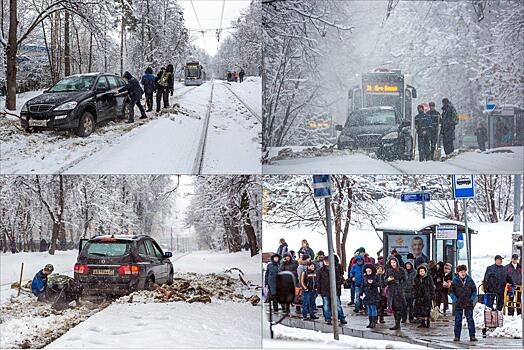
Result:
<point x="410" y="290"/>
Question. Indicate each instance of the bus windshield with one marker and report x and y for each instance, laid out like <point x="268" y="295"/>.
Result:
<point x="192" y="71"/>
<point x="383" y="100"/>
<point x="384" y="117"/>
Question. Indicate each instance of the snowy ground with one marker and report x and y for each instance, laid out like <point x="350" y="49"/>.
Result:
<point x="355" y="162"/>
<point x="161" y="144"/>
<point x="169" y="324"/>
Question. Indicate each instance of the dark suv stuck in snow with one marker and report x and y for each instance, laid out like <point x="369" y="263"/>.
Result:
<point x="377" y="128"/>
<point x="77" y="102"/>
<point x="121" y="264"/>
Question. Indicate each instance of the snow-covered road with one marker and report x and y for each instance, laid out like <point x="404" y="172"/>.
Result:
<point x="168" y="143"/>
<point x="509" y="160"/>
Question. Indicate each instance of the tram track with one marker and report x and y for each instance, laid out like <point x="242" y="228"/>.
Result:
<point x="255" y="114"/>
<point x="199" y="159"/>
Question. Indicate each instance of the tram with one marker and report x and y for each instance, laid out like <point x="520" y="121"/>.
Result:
<point x="194" y="74"/>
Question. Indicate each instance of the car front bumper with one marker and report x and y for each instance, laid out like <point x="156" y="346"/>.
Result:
<point x="60" y="120"/>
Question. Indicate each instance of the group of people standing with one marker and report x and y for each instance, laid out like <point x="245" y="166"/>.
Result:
<point x="311" y="272"/>
<point x="161" y="83"/>
<point x="411" y="289"/>
<point x="431" y="126"/>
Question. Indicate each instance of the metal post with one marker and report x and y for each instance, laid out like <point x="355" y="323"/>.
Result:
<point x="516" y="203"/>
<point x="332" y="276"/>
<point x="468" y="236"/>
<point x="20" y="281"/>
<point x="423" y="204"/>
<point x="171" y="237"/>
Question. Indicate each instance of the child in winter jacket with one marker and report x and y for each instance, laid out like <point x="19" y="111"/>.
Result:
<point x="355" y="275"/>
<point x="424" y="294"/>
<point x="371" y="291"/>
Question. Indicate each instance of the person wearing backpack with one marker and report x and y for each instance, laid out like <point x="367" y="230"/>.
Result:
<point x="164" y="86"/>
<point x="149" y="84"/>
<point x="495" y="280"/>
<point x="135" y="92"/>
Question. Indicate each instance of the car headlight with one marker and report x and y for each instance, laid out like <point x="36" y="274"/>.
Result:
<point x="24" y="108"/>
<point x="391" y="136"/>
<point x="66" y="106"/>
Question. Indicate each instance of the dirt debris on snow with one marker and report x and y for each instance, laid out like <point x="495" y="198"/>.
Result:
<point x="309" y="152"/>
<point x="27" y="323"/>
<point x="192" y="287"/>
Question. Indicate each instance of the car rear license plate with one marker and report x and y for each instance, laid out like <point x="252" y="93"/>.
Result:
<point x="36" y="122"/>
<point x="103" y="272"/>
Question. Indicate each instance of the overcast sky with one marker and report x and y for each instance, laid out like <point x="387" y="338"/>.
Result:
<point x="208" y="13"/>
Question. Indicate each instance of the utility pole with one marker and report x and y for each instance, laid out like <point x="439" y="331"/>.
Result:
<point x="423" y="188"/>
<point x="468" y="236"/>
<point x="332" y="275"/>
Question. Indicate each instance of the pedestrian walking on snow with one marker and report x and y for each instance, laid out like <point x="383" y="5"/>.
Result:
<point x="408" y="312"/>
<point x="424" y="293"/>
<point x="424" y="129"/>
<point x="482" y="136"/>
<point x="435" y="130"/>
<point x="241" y="74"/>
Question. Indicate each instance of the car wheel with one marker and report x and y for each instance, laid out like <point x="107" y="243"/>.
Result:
<point x="170" y="278"/>
<point x="148" y="284"/>
<point x="86" y="125"/>
<point x="125" y="112"/>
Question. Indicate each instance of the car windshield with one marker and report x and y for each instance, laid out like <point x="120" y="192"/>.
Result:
<point x="76" y="83"/>
<point x="372" y="118"/>
<point x="107" y="248"/>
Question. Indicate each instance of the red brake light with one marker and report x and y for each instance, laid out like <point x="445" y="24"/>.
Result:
<point x="128" y="270"/>
<point x="81" y="269"/>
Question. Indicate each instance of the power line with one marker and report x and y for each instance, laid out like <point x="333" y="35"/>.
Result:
<point x="219" y="30"/>
<point x="198" y="21"/>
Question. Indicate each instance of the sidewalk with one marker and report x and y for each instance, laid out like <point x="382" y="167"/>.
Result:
<point x="439" y="336"/>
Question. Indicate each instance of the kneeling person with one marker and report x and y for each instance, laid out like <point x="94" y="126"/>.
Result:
<point x="39" y="283"/>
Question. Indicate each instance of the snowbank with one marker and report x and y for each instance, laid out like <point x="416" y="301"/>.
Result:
<point x="250" y="91"/>
<point x="511" y="328"/>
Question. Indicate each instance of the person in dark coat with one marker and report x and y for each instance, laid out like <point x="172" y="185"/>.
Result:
<point x="482" y="136"/>
<point x="241" y="74"/>
<point x="463" y="293"/>
<point x="449" y="120"/>
<point x="289" y="264"/>
<point x="514" y="270"/>
<point x="442" y="285"/>
<point x="371" y="292"/>
<point x="435" y="124"/>
<point x="424" y="129"/>
<point x="395" y="277"/>
<point x="383" y="301"/>
<point x="409" y="267"/>
<point x="39" y="282"/>
<point x="164" y="86"/>
<point x="305" y="249"/>
<point x="271" y="279"/>
<point x="135" y="92"/>
<point x="495" y="280"/>
<point x="424" y="293"/>
<point x="355" y="275"/>
<point x="308" y="283"/>
<point x="282" y="248"/>
<point x="149" y="84"/>
<point x="324" y="289"/>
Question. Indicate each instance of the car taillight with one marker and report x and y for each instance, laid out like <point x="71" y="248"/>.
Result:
<point x="81" y="269"/>
<point x="128" y="270"/>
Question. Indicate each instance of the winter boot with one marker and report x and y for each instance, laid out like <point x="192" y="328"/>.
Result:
<point x="370" y="322"/>
<point x="427" y="323"/>
<point x="422" y="323"/>
<point x="329" y="322"/>
<point x="381" y="319"/>
<point x="397" y="324"/>
<point x="373" y="322"/>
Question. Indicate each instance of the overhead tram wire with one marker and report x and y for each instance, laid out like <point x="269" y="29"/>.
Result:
<point x="198" y="21"/>
<point x="219" y="30"/>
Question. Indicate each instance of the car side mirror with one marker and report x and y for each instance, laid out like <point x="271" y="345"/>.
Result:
<point x="339" y="127"/>
<point x="285" y="287"/>
<point x="100" y="90"/>
<point x="167" y="255"/>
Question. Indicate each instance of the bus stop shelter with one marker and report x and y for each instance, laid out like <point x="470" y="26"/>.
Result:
<point x="506" y="126"/>
<point x="424" y="237"/>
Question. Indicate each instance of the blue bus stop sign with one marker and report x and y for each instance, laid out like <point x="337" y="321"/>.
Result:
<point x="415" y="197"/>
<point x="490" y="106"/>
<point x="322" y="186"/>
<point x="463" y="186"/>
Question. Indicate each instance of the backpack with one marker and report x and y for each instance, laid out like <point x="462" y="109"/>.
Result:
<point x="164" y="79"/>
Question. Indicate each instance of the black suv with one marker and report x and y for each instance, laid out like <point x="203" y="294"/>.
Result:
<point x="378" y="128"/>
<point x="77" y="103"/>
<point x="120" y="264"/>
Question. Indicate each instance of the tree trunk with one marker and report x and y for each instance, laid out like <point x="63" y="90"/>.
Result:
<point x="11" y="50"/>
<point x="90" y="65"/>
<point x="248" y="226"/>
<point x="122" y="45"/>
<point x="67" y="48"/>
